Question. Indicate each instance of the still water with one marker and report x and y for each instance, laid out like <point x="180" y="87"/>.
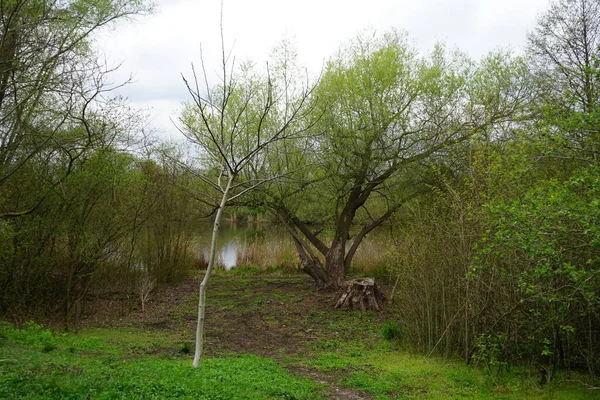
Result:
<point x="265" y="245"/>
<point x="258" y="243"/>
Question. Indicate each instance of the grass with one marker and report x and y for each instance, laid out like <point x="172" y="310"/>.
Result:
<point x="391" y="330"/>
<point x="97" y="367"/>
<point x="400" y="375"/>
<point x="313" y="352"/>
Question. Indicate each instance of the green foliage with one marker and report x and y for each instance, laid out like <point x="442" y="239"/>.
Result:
<point x="489" y="351"/>
<point x="503" y="255"/>
<point x="564" y="51"/>
<point x="548" y="242"/>
<point x="391" y="331"/>
<point x="28" y="372"/>
<point x="185" y="348"/>
<point x="32" y="335"/>
<point x="66" y="192"/>
<point x="500" y="253"/>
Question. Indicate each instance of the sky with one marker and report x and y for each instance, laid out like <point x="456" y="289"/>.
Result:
<point x="157" y="49"/>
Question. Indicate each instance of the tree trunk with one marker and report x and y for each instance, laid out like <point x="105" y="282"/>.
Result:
<point x="360" y="294"/>
<point x="337" y="260"/>
<point x="311" y="265"/>
<point x="335" y="263"/>
<point x="209" y="269"/>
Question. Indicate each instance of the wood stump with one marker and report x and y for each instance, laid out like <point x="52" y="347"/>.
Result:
<point x="360" y="294"/>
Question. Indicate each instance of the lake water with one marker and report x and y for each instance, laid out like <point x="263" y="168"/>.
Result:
<point x="266" y="245"/>
<point x="262" y="244"/>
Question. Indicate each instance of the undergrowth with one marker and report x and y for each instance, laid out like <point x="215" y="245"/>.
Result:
<point x="36" y="364"/>
<point x="337" y="350"/>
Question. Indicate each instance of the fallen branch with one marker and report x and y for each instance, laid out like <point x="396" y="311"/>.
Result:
<point x="583" y="383"/>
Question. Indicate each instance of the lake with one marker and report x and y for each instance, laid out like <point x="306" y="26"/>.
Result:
<point x="260" y="244"/>
<point x="266" y="245"/>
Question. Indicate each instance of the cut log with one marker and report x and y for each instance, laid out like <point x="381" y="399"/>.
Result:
<point x="360" y="294"/>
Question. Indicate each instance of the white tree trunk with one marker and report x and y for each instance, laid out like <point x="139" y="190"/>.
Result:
<point x="209" y="269"/>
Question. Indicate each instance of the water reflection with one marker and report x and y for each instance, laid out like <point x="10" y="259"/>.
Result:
<point x="228" y="254"/>
<point x="265" y="245"/>
<point x="260" y="244"/>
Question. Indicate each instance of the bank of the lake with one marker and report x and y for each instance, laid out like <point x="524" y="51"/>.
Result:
<point x="267" y="337"/>
<point x="266" y="245"/>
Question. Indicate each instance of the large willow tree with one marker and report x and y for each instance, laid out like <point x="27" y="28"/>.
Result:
<point x="384" y="112"/>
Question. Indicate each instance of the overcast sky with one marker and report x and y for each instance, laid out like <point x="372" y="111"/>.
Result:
<point x="157" y="49"/>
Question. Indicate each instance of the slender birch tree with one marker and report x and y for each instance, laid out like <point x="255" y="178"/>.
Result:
<point x="234" y="125"/>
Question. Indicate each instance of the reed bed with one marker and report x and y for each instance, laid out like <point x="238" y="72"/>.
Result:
<point x="277" y="253"/>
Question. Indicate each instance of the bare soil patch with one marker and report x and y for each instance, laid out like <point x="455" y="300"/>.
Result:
<point x="279" y="317"/>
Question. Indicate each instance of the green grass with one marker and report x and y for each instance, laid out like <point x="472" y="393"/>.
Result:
<point x="369" y="357"/>
<point x="94" y="365"/>
<point x="361" y="352"/>
<point x="391" y="330"/>
<point x="400" y="375"/>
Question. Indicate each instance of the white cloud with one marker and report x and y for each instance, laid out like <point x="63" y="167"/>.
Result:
<point x="159" y="48"/>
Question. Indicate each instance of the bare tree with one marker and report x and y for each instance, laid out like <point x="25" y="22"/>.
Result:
<point x="234" y="125"/>
<point x="565" y="53"/>
<point x="144" y="285"/>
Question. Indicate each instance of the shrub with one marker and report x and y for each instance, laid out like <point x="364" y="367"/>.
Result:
<point x="185" y="348"/>
<point x="391" y="330"/>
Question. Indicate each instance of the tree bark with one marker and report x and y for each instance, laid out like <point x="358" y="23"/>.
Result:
<point x="209" y="269"/>
<point x="360" y="294"/>
<point x="311" y="265"/>
<point x="335" y="263"/>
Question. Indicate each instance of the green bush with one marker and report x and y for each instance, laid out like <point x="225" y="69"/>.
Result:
<point x="391" y="331"/>
<point x="32" y="335"/>
<point x="185" y="348"/>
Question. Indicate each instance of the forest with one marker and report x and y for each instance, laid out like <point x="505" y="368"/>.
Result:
<point x="483" y="175"/>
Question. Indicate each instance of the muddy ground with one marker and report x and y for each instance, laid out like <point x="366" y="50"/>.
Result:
<point x="279" y="317"/>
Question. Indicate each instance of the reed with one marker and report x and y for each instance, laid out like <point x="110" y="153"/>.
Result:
<point x="373" y="257"/>
<point x="268" y="255"/>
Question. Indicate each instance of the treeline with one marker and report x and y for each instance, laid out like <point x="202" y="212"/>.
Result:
<point x="486" y="172"/>
<point x="500" y="261"/>
<point x="83" y="209"/>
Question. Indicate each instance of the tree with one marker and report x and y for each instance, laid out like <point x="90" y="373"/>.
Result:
<point x="234" y="124"/>
<point x="385" y="113"/>
<point x="565" y="54"/>
<point x="539" y="253"/>
<point x="53" y="91"/>
<point x="543" y="247"/>
<point x="56" y="114"/>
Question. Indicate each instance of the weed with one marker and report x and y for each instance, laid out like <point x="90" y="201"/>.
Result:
<point x="391" y="331"/>
<point x="185" y="348"/>
<point x="260" y="301"/>
<point x="47" y="347"/>
<point x="355" y="353"/>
